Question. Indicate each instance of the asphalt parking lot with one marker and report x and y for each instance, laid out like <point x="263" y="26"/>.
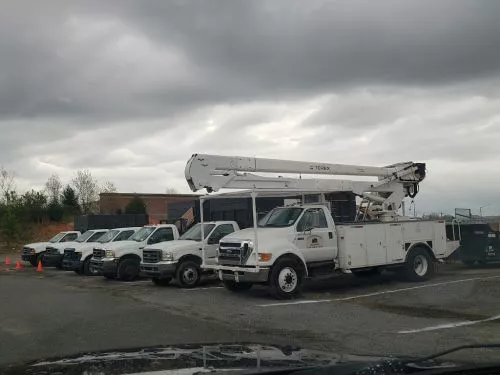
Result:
<point x="58" y="313"/>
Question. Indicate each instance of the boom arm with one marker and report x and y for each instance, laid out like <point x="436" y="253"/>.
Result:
<point x="395" y="182"/>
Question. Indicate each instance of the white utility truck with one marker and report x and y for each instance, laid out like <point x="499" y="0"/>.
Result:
<point x="33" y="252"/>
<point x="121" y="260"/>
<point x="54" y="253"/>
<point x="181" y="259"/>
<point x="299" y="241"/>
<point x="77" y="258"/>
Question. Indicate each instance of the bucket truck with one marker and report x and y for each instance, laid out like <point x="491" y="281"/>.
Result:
<point x="294" y="242"/>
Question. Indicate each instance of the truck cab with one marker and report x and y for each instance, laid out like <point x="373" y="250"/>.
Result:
<point x="78" y="258"/>
<point x="181" y="259"/>
<point x="121" y="260"/>
<point x="54" y="253"/>
<point x="33" y="252"/>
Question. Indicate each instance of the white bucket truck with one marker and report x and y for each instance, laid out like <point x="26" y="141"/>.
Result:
<point x="181" y="259"/>
<point x="295" y="242"/>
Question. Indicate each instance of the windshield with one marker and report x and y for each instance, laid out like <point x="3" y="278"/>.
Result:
<point x="57" y="237"/>
<point x="142" y="234"/>
<point x="84" y="237"/>
<point x="194" y="233"/>
<point x="280" y="217"/>
<point x="108" y="236"/>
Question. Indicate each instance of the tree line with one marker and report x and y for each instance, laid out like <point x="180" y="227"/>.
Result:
<point x="53" y="203"/>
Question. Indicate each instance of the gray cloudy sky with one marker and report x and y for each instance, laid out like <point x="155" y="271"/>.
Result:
<point x="130" y="89"/>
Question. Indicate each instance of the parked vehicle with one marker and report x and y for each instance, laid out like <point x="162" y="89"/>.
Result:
<point x="54" y="253"/>
<point x="181" y="259"/>
<point x="78" y="257"/>
<point x="121" y="260"/>
<point x="33" y="252"/>
<point x="292" y="243"/>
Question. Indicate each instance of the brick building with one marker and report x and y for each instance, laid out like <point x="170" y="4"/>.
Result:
<point x="156" y="204"/>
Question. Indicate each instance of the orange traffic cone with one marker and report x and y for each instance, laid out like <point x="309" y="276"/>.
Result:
<point x="7" y="261"/>
<point x="19" y="265"/>
<point x="40" y="267"/>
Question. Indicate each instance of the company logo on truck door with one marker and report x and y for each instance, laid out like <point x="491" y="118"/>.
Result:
<point x="318" y="167"/>
<point x="314" y="241"/>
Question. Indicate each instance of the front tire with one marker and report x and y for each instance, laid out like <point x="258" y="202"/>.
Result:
<point x="419" y="265"/>
<point x="162" y="282"/>
<point x="128" y="269"/>
<point x="188" y="274"/>
<point x="235" y="287"/>
<point x="87" y="269"/>
<point x="286" y="279"/>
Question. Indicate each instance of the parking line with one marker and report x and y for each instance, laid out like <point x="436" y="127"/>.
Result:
<point x="451" y="325"/>
<point x="304" y="302"/>
<point x="210" y="287"/>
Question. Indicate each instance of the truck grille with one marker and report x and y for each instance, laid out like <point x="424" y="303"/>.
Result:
<point x="26" y="251"/>
<point x="71" y="254"/>
<point x="232" y="253"/>
<point x="51" y="250"/>
<point x="98" y="253"/>
<point x="151" y="256"/>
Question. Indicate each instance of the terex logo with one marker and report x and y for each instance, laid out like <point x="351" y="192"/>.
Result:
<point x="319" y="168"/>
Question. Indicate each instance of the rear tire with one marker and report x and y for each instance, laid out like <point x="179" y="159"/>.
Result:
<point x="235" y="287"/>
<point x="128" y="269"/>
<point x="419" y="265"/>
<point x="286" y="279"/>
<point x="161" y="282"/>
<point x="188" y="274"/>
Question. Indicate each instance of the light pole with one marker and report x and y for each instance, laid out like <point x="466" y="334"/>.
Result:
<point x="481" y="209"/>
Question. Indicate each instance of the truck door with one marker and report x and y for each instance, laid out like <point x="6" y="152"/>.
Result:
<point x="213" y="239"/>
<point x="313" y="236"/>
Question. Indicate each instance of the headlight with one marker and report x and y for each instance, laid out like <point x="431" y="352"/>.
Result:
<point x="167" y="255"/>
<point x="110" y="254"/>
<point x="32" y="251"/>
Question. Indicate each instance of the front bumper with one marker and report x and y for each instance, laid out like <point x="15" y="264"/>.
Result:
<point x="29" y="257"/>
<point x="104" y="265"/>
<point x="244" y="277"/>
<point x="72" y="265"/>
<point x="159" y="270"/>
<point x="52" y="260"/>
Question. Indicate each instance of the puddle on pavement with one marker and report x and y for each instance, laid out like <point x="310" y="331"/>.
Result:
<point x="424" y="312"/>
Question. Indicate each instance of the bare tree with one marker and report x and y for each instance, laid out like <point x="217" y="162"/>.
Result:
<point x="87" y="188"/>
<point x="7" y="183"/>
<point x="54" y="188"/>
<point x="108" y="187"/>
<point x="171" y="190"/>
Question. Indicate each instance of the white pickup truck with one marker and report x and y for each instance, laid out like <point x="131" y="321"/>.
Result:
<point x="121" y="260"/>
<point x="33" y="252"/>
<point x="302" y="241"/>
<point x="77" y="258"/>
<point x="181" y="259"/>
<point x="54" y="253"/>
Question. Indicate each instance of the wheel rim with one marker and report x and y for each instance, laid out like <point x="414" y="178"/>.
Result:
<point x="190" y="275"/>
<point x="420" y="265"/>
<point x="287" y="279"/>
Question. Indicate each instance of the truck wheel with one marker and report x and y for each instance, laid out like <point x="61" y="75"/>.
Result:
<point x="87" y="270"/>
<point x="188" y="274"/>
<point x="286" y="279"/>
<point x="34" y="262"/>
<point x="162" y="282"/>
<point x="419" y="265"/>
<point x="128" y="269"/>
<point x="235" y="287"/>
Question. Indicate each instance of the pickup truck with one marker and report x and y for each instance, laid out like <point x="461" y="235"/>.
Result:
<point x="296" y="242"/>
<point x="33" y="252"/>
<point x="181" y="259"/>
<point x="121" y="260"/>
<point x="54" y="253"/>
<point x="78" y="258"/>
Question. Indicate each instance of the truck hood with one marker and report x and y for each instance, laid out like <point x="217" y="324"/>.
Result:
<point x="120" y="245"/>
<point x="175" y="245"/>
<point x="64" y="245"/>
<point x="39" y="245"/>
<point x="263" y="234"/>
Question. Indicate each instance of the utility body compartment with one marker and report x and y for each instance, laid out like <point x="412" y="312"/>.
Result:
<point x="374" y="244"/>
